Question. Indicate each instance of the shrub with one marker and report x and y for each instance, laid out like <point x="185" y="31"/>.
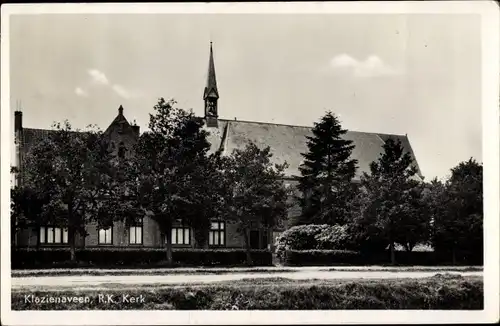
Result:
<point x="308" y="237"/>
<point x="332" y="237"/>
<point x="135" y="257"/>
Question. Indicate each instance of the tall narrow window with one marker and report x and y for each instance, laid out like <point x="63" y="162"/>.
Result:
<point x="217" y="234"/>
<point x="55" y="235"/>
<point x="106" y="235"/>
<point x="135" y="234"/>
<point x="121" y="150"/>
<point x="65" y="236"/>
<point x="181" y="235"/>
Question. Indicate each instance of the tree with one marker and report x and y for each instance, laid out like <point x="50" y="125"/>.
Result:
<point x="209" y="190"/>
<point x="389" y="200"/>
<point x="167" y="168"/>
<point x="413" y="227"/>
<point x="436" y="197"/>
<point x="69" y="171"/>
<point x="459" y="226"/>
<point x="25" y="208"/>
<point x="257" y="192"/>
<point x="326" y="174"/>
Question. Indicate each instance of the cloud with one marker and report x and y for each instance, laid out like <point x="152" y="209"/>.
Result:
<point x="81" y="92"/>
<point x="98" y="76"/>
<point x="125" y="93"/>
<point x="371" y="67"/>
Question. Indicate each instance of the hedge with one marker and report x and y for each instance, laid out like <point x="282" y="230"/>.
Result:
<point x="135" y="257"/>
<point x="346" y="257"/>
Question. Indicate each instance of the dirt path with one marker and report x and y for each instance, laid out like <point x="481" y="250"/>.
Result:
<point x="91" y="281"/>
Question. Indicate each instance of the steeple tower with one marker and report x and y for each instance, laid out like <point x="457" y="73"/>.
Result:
<point x="211" y="94"/>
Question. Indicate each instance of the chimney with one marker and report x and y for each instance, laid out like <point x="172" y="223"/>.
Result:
<point x="18" y="131"/>
<point x="18" y="121"/>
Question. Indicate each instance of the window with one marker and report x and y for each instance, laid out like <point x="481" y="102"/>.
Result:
<point x="181" y="236"/>
<point x="135" y="234"/>
<point x="50" y="234"/>
<point x="106" y="236"/>
<point x="121" y="151"/>
<point x="217" y="234"/>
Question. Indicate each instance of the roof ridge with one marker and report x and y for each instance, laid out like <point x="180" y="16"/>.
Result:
<point x="386" y="134"/>
<point x="309" y="127"/>
<point x="267" y="123"/>
<point x="42" y="129"/>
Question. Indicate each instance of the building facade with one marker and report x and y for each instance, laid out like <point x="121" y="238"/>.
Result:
<point x="287" y="142"/>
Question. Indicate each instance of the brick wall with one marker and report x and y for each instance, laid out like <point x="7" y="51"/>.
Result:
<point x="233" y="238"/>
<point x="28" y="237"/>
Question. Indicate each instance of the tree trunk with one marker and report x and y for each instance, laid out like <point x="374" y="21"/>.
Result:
<point x="168" y="246"/>
<point x="247" y="247"/>
<point x="71" y="239"/>
<point x="393" y="254"/>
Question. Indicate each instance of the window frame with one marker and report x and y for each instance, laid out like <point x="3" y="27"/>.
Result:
<point x="122" y="149"/>
<point x="135" y="226"/>
<point x="99" y="236"/>
<point x="183" y="228"/>
<point x="45" y="228"/>
<point x="221" y="234"/>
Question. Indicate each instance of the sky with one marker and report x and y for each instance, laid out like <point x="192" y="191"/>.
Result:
<point x="416" y="74"/>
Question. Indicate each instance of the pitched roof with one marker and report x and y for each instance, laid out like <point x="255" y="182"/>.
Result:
<point x="119" y="122"/>
<point x="30" y="136"/>
<point x="288" y="142"/>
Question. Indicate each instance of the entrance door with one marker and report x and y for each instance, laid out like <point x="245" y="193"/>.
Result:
<point x="254" y="239"/>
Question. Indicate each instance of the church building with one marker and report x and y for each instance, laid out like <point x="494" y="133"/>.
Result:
<point x="287" y="143"/>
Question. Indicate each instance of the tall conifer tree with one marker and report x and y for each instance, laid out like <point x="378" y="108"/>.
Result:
<point x="326" y="174"/>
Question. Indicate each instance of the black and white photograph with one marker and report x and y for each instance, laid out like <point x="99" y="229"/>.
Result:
<point x="276" y="163"/>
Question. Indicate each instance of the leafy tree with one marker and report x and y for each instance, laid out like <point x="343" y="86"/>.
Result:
<point x="167" y="167"/>
<point x="388" y="201"/>
<point x="436" y="197"/>
<point x="257" y="192"/>
<point x="413" y="227"/>
<point x="70" y="172"/>
<point x="25" y="208"/>
<point x="460" y="226"/>
<point x="326" y="174"/>
<point x="209" y="189"/>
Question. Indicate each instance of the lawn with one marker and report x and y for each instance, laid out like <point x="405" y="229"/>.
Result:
<point x="437" y="292"/>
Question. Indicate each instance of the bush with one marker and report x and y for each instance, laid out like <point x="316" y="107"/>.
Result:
<point x="308" y="237"/>
<point x="134" y="257"/>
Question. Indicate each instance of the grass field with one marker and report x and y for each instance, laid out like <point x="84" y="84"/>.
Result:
<point x="438" y="292"/>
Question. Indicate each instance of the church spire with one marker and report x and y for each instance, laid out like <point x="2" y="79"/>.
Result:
<point x="211" y="87"/>
<point x="211" y="94"/>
